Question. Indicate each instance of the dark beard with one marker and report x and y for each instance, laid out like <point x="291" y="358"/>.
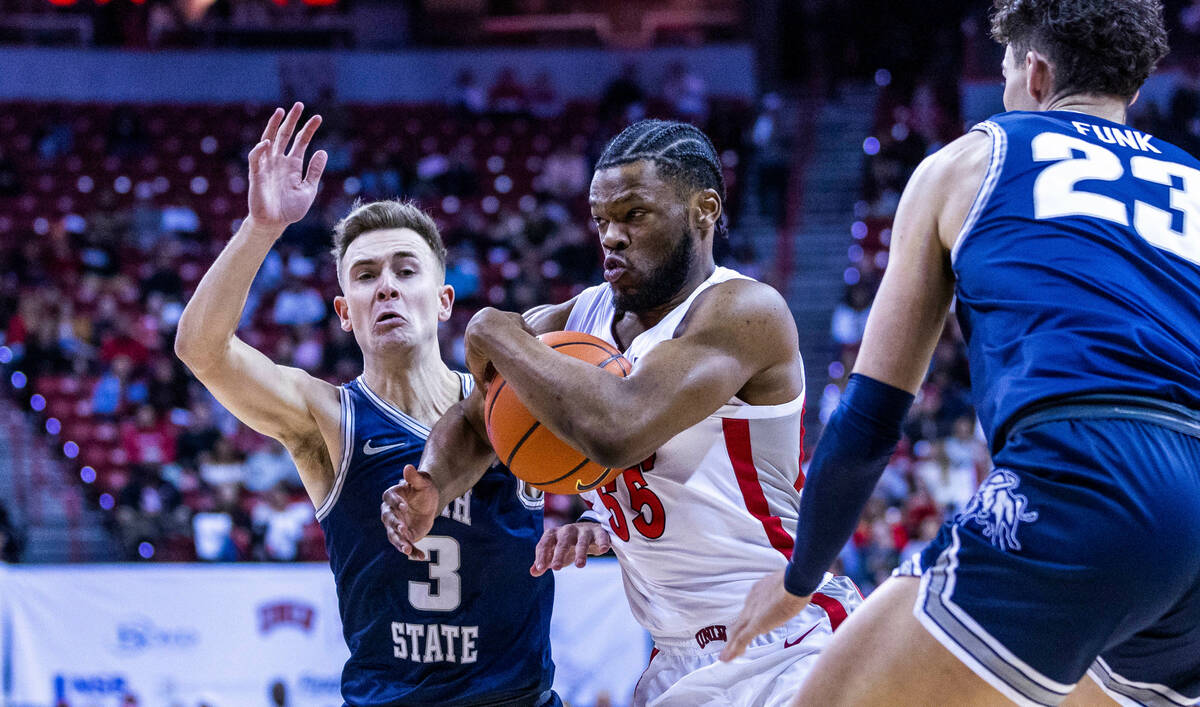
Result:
<point x="663" y="283"/>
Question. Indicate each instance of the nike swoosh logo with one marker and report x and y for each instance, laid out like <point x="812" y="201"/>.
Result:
<point x="369" y="450"/>
<point x="789" y="644"/>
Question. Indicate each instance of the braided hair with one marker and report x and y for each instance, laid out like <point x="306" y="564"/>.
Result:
<point x="682" y="152"/>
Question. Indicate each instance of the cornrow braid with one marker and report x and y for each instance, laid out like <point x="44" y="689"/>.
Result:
<point x="681" y="150"/>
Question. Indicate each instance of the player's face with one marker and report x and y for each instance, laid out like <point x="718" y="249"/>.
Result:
<point x="1016" y="82"/>
<point x="394" y="291"/>
<point x="649" y="246"/>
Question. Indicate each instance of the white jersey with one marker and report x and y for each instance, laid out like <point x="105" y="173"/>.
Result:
<point x="712" y="511"/>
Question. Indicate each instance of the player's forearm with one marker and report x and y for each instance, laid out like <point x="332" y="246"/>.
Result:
<point x="456" y="455"/>
<point x="577" y="401"/>
<point x="211" y="317"/>
<point x="853" y="451"/>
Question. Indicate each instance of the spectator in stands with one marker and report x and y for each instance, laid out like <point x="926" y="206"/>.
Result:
<point x="623" y="97"/>
<point x="126" y="134"/>
<point x="877" y="542"/>
<point x="11" y="542"/>
<point x="279" y="520"/>
<point x="117" y="389"/>
<point x="55" y="139"/>
<point x="770" y="156"/>
<point x="566" y="172"/>
<point x="10" y="178"/>
<point x="341" y="152"/>
<point x="148" y="440"/>
<point x="299" y="303"/>
<point x="383" y="179"/>
<point x="950" y="485"/>
<point x="507" y="96"/>
<point x="121" y="340"/>
<point x="219" y="526"/>
<point x="309" y="349"/>
<point x="199" y="438"/>
<point x="223" y="466"/>
<point x="467" y="95"/>
<point x="544" y="101"/>
<point x="685" y="92"/>
<point x="167" y="389"/>
<point x="850" y="315"/>
<point x="165" y="277"/>
<point x="43" y="352"/>
<point x="268" y="466"/>
<point x="967" y="450"/>
<point x="144" y="508"/>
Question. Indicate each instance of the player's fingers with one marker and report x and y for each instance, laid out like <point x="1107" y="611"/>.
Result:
<point x="392" y="497"/>
<point x="581" y="549"/>
<point x="304" y="136"/>
<point x="414" y="552"/>
<point x="735" y="645"/>
<point x="288" y="127"/>
<point x="543" y="552"/>
<point x="397" y="541"/>
<point x="273" y="124"/>
<point x="564" y="550"/>
<point x="415" y="479"/>
<point x="256" y="152"/>
<point x="601" y="543"/>
<point x="316" y="167"/>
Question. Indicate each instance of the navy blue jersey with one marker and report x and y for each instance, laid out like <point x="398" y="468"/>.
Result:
<point x="1078" y="266"/>
<point x="470" y="626"/>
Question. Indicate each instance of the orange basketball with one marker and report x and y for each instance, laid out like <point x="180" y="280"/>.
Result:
<point x="530" y="449"/>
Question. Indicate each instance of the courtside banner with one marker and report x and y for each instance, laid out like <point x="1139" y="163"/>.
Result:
<point x="230" y="635"/>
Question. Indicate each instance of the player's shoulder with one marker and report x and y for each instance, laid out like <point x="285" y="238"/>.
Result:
<point x="741" y="307"/>
<point x="964" y="157"/>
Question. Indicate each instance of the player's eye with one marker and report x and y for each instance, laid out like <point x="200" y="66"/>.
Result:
<point x="365" y="275"/>
<point x="635" y="214"/>
<point x="407" y="272"/>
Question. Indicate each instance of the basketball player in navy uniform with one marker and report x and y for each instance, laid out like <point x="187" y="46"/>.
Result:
<point x="468" y="625"/>
<point x="1072" y="244"/>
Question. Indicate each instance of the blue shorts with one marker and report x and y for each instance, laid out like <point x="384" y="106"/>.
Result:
<point x="1079" y="554"/>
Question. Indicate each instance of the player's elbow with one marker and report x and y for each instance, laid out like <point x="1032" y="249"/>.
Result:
<point x="193" y="351"/>
<point x="617" y="446"/>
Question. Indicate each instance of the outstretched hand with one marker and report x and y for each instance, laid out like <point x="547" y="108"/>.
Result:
<point x="408" y="511"/>
<point x="280" y="192"/>
<point x="569" y="544"/>
<point x="768" y="606"/>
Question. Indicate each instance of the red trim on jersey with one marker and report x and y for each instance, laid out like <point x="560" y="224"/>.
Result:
<point x="833" y="607"/>
<point x="737" y="442"/>
<point x="653" y="652"/>
<point x="800" y="469"/>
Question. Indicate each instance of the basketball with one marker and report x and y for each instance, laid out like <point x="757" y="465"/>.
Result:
<point x="528" y="448"/>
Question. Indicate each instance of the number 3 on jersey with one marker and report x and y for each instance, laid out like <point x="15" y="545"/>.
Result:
<point x="444" y="590"/>
<point x="1054" y="192"/>
<point x="649" y="516"/>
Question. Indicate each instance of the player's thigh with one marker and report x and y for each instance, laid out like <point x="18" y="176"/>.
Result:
<point x="1160" y="664"/>
<point x="882" y="655"/>
<point x="1088" y="694"/>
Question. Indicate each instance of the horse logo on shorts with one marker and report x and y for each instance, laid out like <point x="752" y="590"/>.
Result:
<point x="998" y="509"/>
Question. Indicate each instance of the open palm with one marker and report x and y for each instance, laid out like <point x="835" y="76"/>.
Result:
<point x="280" y="192"/>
